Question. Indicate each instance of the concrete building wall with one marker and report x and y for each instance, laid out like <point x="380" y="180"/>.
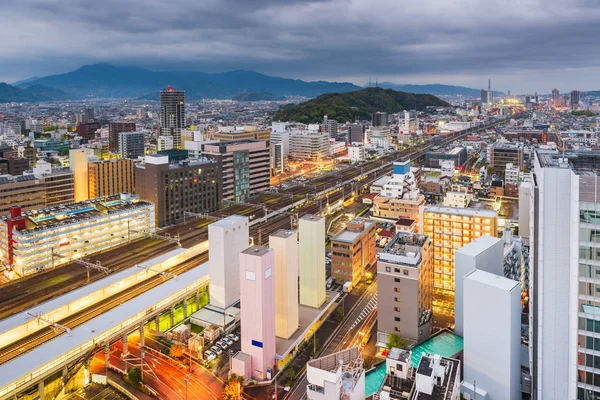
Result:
<point x="312" y="260"/>
<point x="492" y="335"/>
<point x="227" y="239"/>
<point x="485" y="253"/>
<point x="78" y="162"/>
<point x="525" y="193"/>
<point x="285" y="246"/>
<point x="257" y="308"/>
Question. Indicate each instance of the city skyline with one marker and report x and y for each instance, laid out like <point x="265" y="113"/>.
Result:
<point x="522" y="48"/>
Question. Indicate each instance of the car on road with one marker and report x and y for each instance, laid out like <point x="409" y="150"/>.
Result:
<point x="217" y="350"/>
<point x="228" y="341"/>
<point x="233" y="337"/>
<point x="209" y="356"/>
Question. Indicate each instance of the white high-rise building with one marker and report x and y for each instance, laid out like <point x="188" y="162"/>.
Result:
<point x="285" y="246"/>
<point x="492" y="337"/>
<point x="227" y="238"/>
<point x="564" y="295"/>
<point x="311" y="269"/>
<point x="485" y="253"/>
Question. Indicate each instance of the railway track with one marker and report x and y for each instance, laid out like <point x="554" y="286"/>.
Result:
<point x="28" y="343"/>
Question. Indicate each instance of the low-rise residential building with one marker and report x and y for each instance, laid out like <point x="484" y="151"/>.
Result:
<point x="511" y="174"/>
<point x="353" y="251"/>
<point x="39" y="239"/>
<point x="460" y="198"/>
<point x="356" y="152"/>
<point x="338" y="376"/>
<point x="434" y="377"/>
<point x="309" y="145"/>
<point x="400" y="196"/>
<point x="404" y="291"/>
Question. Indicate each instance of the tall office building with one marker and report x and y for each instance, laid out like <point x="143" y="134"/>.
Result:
<point x="114" y="128"/>
<point x="483" y="95"/>
<point x="257" y="309"/>
<point x="379" y="118"/>
<point x="330" y="126"/>
<point x="492" y="337"/>
<point x="131" y="144"/>
<point x="227" y="239"/>
<point x="172" y="114"/>
<point x="111" y="177"/>
<point x="356" y="133"/>
<point x="485" y="253"/>
<point x="404" y="289"/>
<point x="555" y="97"/>
<point x="89" y="113"/>
<point x="285" y="247"/>
<point x="78" y="162"/>
<point x="192" y="186"/>
<point x="312" y="260"/>
<point x="575" y="95"/>
<point x="245" y="165"/>
<point x="280" y="147"/>
<point x="450" y="229"/>
<point x="564" y="295"/>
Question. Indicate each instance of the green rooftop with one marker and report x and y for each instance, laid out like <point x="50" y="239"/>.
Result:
<point x="445" y="343"/>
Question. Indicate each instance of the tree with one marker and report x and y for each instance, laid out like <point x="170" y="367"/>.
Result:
<point x="176" y="351"/>
<point x="396" y="341"/>
<point x="135" y="376"/>
<point x="290" y="374"/>
<point x="232" y="387"/>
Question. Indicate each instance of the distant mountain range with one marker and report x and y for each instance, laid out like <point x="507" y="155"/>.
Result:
<point x="105" y="80"/>
<point x="357" y="105"/>
<point x="255" y="96"/>
<point x="436" y="89"/>
<point x="33" y="93"/>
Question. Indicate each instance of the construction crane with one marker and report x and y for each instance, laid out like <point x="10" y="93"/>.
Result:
<point x="55" y="326"/>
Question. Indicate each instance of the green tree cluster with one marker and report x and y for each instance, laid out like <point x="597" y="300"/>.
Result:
<point x="359" y="104"/>
<point x="396" y="341"/>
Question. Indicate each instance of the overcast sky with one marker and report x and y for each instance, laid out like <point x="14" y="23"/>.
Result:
<point x="522" y="45"/>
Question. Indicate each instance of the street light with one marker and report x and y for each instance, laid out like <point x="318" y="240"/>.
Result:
<point x="186" y="385"/>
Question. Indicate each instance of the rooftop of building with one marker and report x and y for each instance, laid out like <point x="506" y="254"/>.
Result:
<point x="405" y="222"/>
<point x="479" y="245"/>
<point x="55" y="216"/>
<point x="230" y="222"/>
<point x="398" y="354"/>
<point x="350" y="236"/>
<point x="468" y="212"/>
<point x="284" y="233"/>
<point x="445" y="343"/>
<point x="504" y="146"/>
<point x="257" y="250"/>
<point x="448" y="368"/>
<point x="581" y="161"/>
<point x="162" y="159"/>
<point x="311" y="217"/>
<point x="493" y="280"/>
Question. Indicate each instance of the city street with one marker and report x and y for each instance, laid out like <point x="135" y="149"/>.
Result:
<point x="162" y="374"/>
<point x="350" y="334"/>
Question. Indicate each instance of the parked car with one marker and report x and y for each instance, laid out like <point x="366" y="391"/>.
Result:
<point x="222" y="344"/>
<point x="217" y="350"/>
<point x="228" y="341"/>
<point x="233" y="337"/>
<point x="209" y="356"/>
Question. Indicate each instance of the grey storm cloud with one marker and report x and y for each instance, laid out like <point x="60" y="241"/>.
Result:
<point x="526" y="44"/>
